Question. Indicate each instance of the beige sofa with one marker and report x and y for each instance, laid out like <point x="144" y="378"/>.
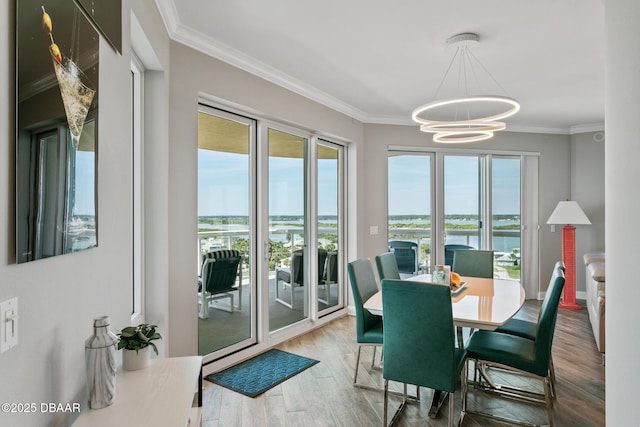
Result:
<point x="595" y="286"/>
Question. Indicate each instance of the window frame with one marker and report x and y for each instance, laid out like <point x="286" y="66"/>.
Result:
<point x="138" y="292"/>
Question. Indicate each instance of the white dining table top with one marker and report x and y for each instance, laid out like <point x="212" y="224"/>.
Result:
<point x="481" y="304"/>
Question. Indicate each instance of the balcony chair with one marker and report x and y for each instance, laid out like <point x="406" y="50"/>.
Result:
<point x="449" y="251"/>
<point x="387" y="266"/>
<point x="407" y="256"/>
<point x="330" y="276"/>
<point x="419" y="344"/>
<point x="293" y="277"/>
<point x="531" y="357"/>
<point x="220" y="271"/>
<point x="368" y="326"/>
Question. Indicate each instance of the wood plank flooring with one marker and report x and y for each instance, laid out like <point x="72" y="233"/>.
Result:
<point x="324" y="395"/>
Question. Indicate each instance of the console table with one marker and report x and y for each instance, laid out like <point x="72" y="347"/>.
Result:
<point x="160" y="395"/>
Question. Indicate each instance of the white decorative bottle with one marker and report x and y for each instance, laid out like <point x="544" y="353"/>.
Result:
<point x="100" y="356"/>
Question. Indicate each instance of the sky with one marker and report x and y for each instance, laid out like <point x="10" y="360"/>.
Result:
<point x="223" y="185"/>
<point x="85" y="183"/>
<point x="410" y="178"/>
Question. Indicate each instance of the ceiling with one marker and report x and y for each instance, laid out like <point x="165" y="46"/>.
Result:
<point x="378" y="60"/>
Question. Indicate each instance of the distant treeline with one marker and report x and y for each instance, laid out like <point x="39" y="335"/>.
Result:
<point x="243" y="219"/>
<point x="455" y="217"/>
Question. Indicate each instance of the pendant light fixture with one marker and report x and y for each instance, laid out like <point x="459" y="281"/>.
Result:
<point x="469" y="114"/>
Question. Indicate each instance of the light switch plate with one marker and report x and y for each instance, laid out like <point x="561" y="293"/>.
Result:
<point x="8" y="324"/>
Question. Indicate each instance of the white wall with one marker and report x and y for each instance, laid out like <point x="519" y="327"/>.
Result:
<point x="587" y="188"/>
<point x="59" y="297"/>
<point x="622" y="150"/>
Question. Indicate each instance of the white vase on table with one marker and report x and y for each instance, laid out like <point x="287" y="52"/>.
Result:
<point x="100" y="358"/>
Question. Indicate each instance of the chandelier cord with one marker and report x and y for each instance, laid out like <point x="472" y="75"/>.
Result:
<point x="444" y="78"/>
<point x="487" y="71"/>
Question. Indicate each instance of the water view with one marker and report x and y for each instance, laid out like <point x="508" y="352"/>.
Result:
<point x="461" y="229"/>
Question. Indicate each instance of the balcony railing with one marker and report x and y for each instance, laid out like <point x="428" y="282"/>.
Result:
<point x="291" y="235"/>
<point x="223" y="239"/>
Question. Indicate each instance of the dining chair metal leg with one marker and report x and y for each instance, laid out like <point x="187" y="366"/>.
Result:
<point x="486" y="384"/>
<point x="373" y="366"/>
<point x="451" y="404"/>
<point x="460" y="338"/>
<point x="460" y="335"/>
<point x="412" y="398"/>
<point x="464" y="383"/>
<point x="552" y="373"/>
<point x="373" y="359"/>
<point x="398" y="411"/>
<point x="355" y="376"/>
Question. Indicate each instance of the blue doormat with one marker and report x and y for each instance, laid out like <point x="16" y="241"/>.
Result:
<point x="257" y="375"/>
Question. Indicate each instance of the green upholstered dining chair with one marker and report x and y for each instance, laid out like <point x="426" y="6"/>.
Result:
<point x="368" y="326"/>
<point x="527" y="329"/>
<point x="419" y="345"/>
<point x="449" y="250"/>
<point x="387" y="266"/>
<point x="530" y="357"/>
<point x="474" y="263"/>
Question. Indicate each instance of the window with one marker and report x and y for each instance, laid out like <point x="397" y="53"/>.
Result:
<point x="476" y="201"/>
<point x="137" y="193"/>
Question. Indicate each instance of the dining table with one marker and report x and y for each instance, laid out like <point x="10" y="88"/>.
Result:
<point x="478" y="303"/>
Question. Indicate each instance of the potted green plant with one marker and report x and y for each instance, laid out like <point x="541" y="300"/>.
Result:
<point x="136" y="342"/>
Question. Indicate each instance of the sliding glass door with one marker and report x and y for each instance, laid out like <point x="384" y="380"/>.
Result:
<point x="462" y="194"/>
<point x="476" y="202"/>
<point x="506" y="218"/>
<point x="226" y="290"/>
<point x="329" y="225"/>
<point x="270" y="230"/>
<point x="288" y="236"/>
<point x="410" y="191"/>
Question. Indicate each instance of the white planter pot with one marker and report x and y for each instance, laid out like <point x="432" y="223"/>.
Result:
<point x="132" y="361"/>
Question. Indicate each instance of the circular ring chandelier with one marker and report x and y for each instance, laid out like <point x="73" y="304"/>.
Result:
<point x="467" y="118"/>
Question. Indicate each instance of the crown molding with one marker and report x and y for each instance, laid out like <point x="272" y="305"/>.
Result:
<point x="169" y="15"/>
<point x="587" y="127"/>
<point x="238" y="59"/>
<point x="211" y="47"/>
<point x="537" y="129"/>
<point x="390" y="120"/>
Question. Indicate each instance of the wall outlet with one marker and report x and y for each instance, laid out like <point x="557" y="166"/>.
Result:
<point x="373" y="230"/>
<point x="8" y="324"/>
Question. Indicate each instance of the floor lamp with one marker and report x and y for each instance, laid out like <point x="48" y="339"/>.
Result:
<point x="569" y="212"/>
